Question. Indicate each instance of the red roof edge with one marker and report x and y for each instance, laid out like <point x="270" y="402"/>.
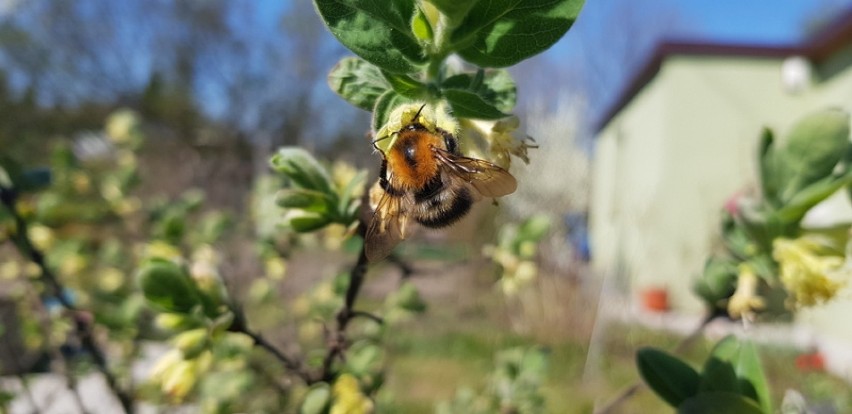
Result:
<point x="817" y="48"/>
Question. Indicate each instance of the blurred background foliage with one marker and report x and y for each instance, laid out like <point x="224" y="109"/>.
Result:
<point x="176" y="194"/>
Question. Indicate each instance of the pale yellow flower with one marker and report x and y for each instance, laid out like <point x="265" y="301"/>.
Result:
<point x="810" y="278"/>
<point x="502" y="139"/>
<point x="42" y="237"/>
<point x="122" y="125"/>
<point x="745" y="301"/>
<point x="348" y="398"/>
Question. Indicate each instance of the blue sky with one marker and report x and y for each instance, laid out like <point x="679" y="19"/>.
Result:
<point x="612" y="38"/>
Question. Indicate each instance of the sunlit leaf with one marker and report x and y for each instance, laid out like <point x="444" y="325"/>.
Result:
<point x="308" y="222"/>
<point x="421" y="28"/>
<point x="494" y="86"/>
<point x="468" y="104"/>
<point x="814" y="147"/>
<point x="379" y="32"/>
<point x="300" y="198"/>
<point x="500" y="33"/>
<point x="405" y="85"/>
<point x="302" y="168"/>
<point x="384" y="106"/>
<point x="358" y="82"/>
<point x="168" y="287"/>
<point x="318" y="400"/>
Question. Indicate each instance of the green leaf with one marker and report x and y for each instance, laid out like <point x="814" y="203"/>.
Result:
<point x="772" y="172"/>
<point x="421" y="28"/>
<point x="814" y="147"/>
<point x="500" y="33"/>
<point x="347" y="207"/>
<point x="364" y="358"/>
<point x="534" y="228"/>
<point x="302" y="168"/>
<point x="318" y="400"/>
<point x="794" y="210"/>
<point x="405" y="85"/>
<point x="168" y="287"/>
<point x="494" y="86"/>
<point x="719" y="403"/>
<point x="384" y="106"/>
<point x="308" y="222"/>
<point x="718" y="375"/>
<point x="378" y="31"/>
<point x="750" y="369"/>
<point x="454" y="10"/>
<point x="407" y="297"/>
<point x="468" y="104"/>
<point x="672" y="379"/>
<point x="192" y="342"/>
<point x="308" y="200"/>
<point x="718" y="281"/>
<point x="743" y="356"/>
<point x="358" y="82"/>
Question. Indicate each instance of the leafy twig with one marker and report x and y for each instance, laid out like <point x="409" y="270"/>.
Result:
<point x="9" y="197"/>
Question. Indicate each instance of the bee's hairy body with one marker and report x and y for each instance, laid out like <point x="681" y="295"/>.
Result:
<point x="425" y="179"/>
<point x="438" y="200"/>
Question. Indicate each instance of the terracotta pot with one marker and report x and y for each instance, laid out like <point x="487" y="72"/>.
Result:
<point x="655" y="299"/>
<point x="810" y="362"/>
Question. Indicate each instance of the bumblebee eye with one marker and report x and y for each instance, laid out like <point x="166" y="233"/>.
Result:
<point x="410" y="153"/>
<point x="450" y="143"/>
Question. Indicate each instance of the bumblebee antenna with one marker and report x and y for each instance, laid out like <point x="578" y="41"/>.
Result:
<point x="380" y="139"/>
<point x="418" y="113"/>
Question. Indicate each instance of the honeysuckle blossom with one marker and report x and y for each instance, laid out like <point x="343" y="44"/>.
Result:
<point x="502" y="139"/>
<point x="745" y="301"/>
<point x="810" y="278"/>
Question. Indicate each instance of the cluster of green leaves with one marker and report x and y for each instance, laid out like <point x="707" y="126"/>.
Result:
<point x="402" y="46"/>
<point x="77" y="211"/>
<point x="313" y="200"/>
<point x="513" y="386"/>
<point x="731" y="380"/>
<point x="516" y="251"/>
<point x="812" y="163"/>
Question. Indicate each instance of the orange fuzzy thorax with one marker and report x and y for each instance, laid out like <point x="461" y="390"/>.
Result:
<point x="411" y="171"/>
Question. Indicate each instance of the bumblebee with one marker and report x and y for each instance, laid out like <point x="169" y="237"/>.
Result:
<point x="424" y="178"/>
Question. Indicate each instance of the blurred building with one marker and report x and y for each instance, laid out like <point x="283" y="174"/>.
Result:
<point x="682" y="138"/>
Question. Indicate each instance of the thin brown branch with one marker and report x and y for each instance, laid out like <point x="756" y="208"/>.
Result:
<point x="82" y="327"/>
<point x="337" y="342"/>
<point x="292" y="364"/>
<point x="240" y="325"/>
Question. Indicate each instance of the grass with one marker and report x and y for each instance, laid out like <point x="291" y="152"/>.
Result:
<point x="453" y="345"/>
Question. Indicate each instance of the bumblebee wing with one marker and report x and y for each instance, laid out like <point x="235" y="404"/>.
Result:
<point x="488" y="179"/>
<point x="387" y="226"/>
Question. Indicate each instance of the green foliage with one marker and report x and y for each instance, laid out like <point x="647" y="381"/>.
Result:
<point x="732" y="379"/>
<point x="13" y="175"/>
<point x="513" y="386"/>
<point x="168" y="287"/>
<point x="500" y="33"/>
<point x="672" y="379"/>
<point x="318" y="400"/>
<point x="407" y="42"/>
<point x="806" y="168"/>
<point x="516" y="251"/>
<point x="313" y="201"/>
